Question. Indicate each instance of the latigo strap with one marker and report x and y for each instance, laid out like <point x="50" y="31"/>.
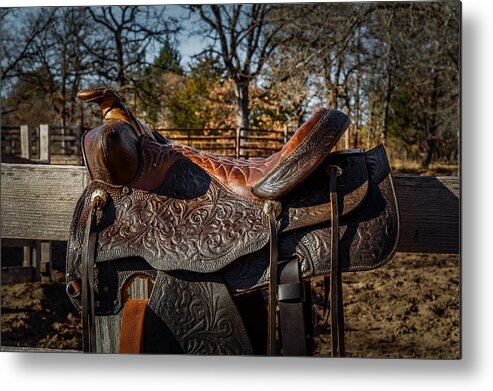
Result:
<point x="132" y="326"/>
<point x="273" y="209"/>
<point x="336" y="305"/>
<point x="291" y="310"/>
<point x="287" y="291"/>
<point x="97" y="203"/>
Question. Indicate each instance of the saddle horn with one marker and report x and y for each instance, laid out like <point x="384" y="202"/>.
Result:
<point x="113" y="107"/>
<point x="111" y="151"/>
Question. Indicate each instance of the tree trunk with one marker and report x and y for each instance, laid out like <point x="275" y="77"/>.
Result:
<point x="328" y="82"/>
<point x="349" y="130"/>
<point x="388" y="86"/>
<point x="429" y="151"/>
<point x="431" y="141"/>
<point x="121" y="79"/>
<point x="242" y="102"/>
<point x="357" y="109"/>
<point x="386" y="106"/>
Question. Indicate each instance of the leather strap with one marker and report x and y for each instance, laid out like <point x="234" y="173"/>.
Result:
<point x="336" y="305"/>
<point x="88" y="317"/>
<point x="273" y="254"/>
<point x="291" y="315"/>
<point x="132" y="326"/>
<point x="96" y="203"/>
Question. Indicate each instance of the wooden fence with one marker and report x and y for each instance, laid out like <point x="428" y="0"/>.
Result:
<point x="38" y="202"/>
<point x="43" y="143"/>
<point x="237" y="142"/>
<point x="59" y="145"/>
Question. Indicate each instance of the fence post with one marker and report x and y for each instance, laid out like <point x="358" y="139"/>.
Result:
<point x="27" y="257"/>
<point x="237" y="142"/>
<point x="37" y="261"/>
<point x="346" y="138"/>
<point x="45" y="260"/>
<point x="285" y="133"/>
<point x="78" y="149"/>
<point x="25" y="142"/>
<point x="44" y="143"/>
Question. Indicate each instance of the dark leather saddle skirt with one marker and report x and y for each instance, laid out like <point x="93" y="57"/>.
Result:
<point x="188" y="221"/>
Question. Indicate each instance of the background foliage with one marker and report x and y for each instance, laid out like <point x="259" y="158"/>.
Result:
<point x="392" y="67"/>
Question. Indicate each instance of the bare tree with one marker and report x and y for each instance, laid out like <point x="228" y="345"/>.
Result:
<point x="67" y="63"/>
<point x="56" y="61"/>
<point x="17" y="45"/>
<point x="330" y="44"/>
<point x="393" y="68"/>
<point x="123" y="37"/>
<point x="420" y="68"/>
<point x="243" y="38"/>
<point x="57" y="50"/>
<point x="293" y="88"/>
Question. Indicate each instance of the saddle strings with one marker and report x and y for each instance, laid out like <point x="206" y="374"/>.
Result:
<point x="88" y="326"/>
<point x="96" y="203"/>
<point x="335" y="292"/>
<point x="335" y="288"/>
<point x="272" y="316"/>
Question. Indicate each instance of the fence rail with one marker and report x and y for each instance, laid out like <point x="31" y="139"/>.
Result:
<point x="62" y="145"/>
<point x="38" y="203"/>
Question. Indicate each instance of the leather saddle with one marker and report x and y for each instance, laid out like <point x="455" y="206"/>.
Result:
<point x="208" y="230"/>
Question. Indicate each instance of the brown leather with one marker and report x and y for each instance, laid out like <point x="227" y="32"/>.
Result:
<point x="371" y="230"/>
<point x="336" y="305"/>
<point x="132" y="326"/>
<point x="273" y="255"/>
<point x="243" y="176"/>
<point x="88" y="262"/>
<point x="185" y="210"/>
<point x="149" y="225"/>
<point x="112" y="153"/>
<point x="291" y="299"/>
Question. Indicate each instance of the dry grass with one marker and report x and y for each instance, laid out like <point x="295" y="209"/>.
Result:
<point x="407" y="167"/>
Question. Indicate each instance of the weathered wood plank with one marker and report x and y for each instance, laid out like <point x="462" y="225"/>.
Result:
<point x="108" y="327"/>
<point x="38" y="200"/>
<point x="25" y="142"/>
<point x="108" y="333"/>
<point x="24" y="349"/>
<point x="45" y="260"/>
<point x="44" y="143"/>
<point x="16" y="274"/>
<point x="430" y="214"/>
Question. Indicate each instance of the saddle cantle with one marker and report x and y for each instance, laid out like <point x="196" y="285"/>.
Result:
<point x="204" y="227"/>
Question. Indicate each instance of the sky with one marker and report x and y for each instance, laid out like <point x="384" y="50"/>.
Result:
<point x="189" y="44"/>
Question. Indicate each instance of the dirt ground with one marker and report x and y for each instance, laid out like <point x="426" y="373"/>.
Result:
<point x="40" y="315"/>
<point x="407" y="309"/>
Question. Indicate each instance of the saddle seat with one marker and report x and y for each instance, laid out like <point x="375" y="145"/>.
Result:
<point x="115" y="157"/>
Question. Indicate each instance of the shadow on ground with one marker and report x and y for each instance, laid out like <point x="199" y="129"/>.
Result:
<point x="406" y="309"/>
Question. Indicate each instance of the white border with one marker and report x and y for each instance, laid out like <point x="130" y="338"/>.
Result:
<point x="473" y="372"/>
